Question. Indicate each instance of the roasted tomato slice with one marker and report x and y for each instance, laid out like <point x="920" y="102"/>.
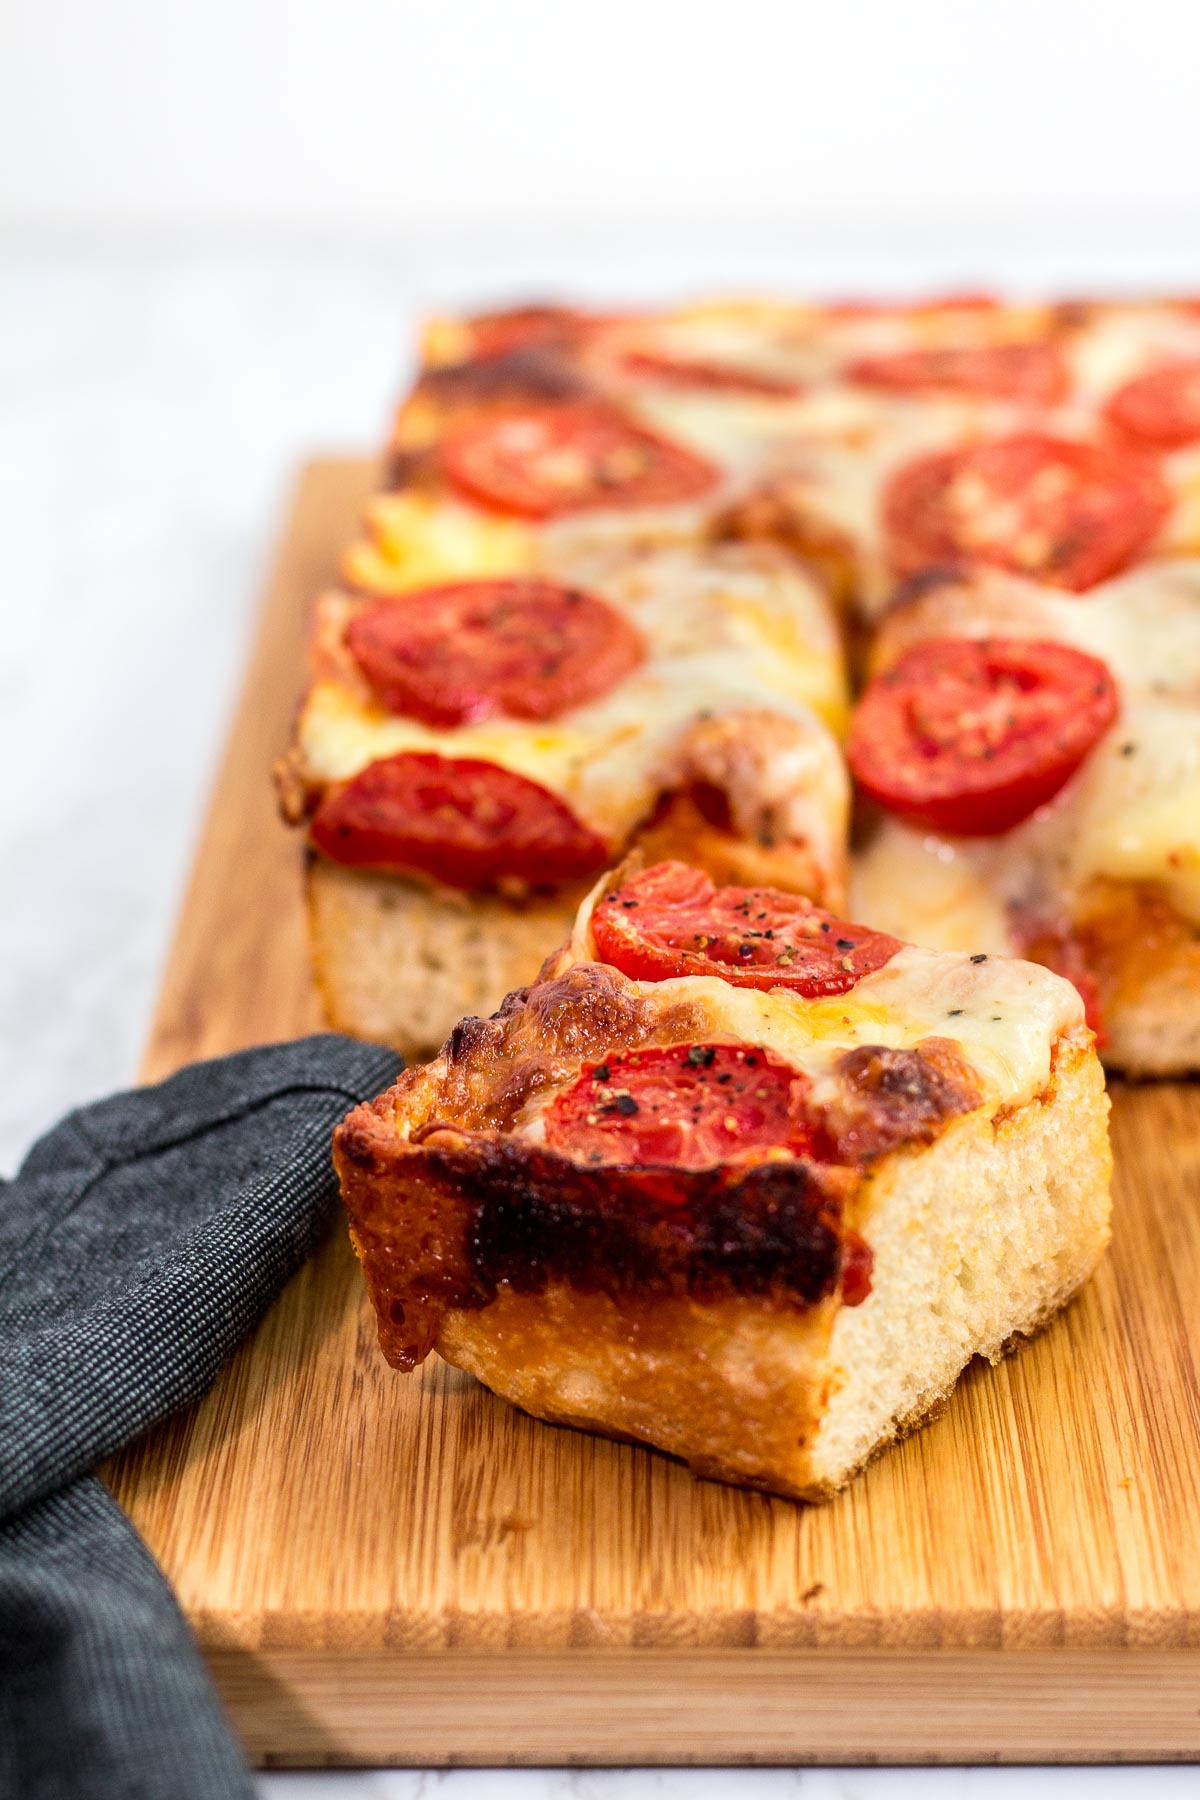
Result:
<point x="1034" y="372"/>
<point x="523" y="647"/>
<point x="688" y="1106"/>
<point x="671" y="920"/>
<point x="543" y="461"/>
<point x="524" y="327"/>
<point x="711" y="377"/>
<point x="971" y="735"/>
<point x="462" y="821"/>
<point x="1160" y="408"/>
<point x="853" y="306"/>
<point x="1066" y="512"/>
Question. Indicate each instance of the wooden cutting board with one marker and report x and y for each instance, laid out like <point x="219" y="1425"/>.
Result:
<point x="402" y="1569"/>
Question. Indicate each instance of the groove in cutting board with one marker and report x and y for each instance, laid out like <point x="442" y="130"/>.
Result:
<point x="391" y="1569"/>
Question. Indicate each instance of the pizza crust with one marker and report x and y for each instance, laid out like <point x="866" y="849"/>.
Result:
<point x="1146" y="958"/>
<point x="400" y="963"/>
<point x="978" y="1241"/>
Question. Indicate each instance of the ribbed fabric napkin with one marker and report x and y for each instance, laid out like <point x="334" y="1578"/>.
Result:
<point x="139" y="1242"/>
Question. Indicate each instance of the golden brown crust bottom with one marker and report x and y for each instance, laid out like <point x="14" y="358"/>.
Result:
<point x="729" y="1386"/>
<point x="716" y="1468"/>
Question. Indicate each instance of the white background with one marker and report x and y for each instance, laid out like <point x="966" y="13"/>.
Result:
<point x="219" y="224"/>
<point x="378" y="117"/>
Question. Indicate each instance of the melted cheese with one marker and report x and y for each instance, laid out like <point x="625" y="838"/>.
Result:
<point x="776" y="346"/>
<point x="1005" y="1015"/>
<point x="1181" y="534"/>
<point x="928" y="889"/>
<point x="835" y="445"/>
<point x="730" y="630"/>
<point x="856" y="436"/>
<point x="415" y="539"/>
<point x="1134" y="812"/>
<point x="1121" y="342"/>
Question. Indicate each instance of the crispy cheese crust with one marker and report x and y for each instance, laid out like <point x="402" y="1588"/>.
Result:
<point x="774" y="1323"/>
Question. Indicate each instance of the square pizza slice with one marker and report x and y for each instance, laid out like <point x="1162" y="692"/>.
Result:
<point x="736" y="1178"/>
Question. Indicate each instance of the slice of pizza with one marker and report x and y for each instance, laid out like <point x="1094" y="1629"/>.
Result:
<point x="470" y="754"/>
<point x="531" y="433"/>
<point x="531" y="438"/>
<point x="1035" y="759"/>
<point x="737" y="1179"/>
<point x="1058" y="443"/>
<point x="717" y="483"/>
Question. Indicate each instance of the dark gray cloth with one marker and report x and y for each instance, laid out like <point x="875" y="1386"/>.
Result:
<point x="139" y="1242"/>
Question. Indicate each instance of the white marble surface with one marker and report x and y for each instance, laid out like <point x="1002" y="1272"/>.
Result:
<point x="152" y="409"/>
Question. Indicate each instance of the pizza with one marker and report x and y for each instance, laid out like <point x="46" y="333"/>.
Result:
<point x="540" y="660"/>
<point x="1035" y="765"/>
<point x="607" y="591"/>
<point x="737" y="1178"/>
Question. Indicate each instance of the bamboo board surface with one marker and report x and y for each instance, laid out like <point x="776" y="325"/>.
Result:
<point x="391" y="1569"/>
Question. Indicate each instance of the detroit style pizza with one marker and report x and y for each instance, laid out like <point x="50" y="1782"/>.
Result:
<point x="605" y="596"/>
<point x="737" y="1178"/>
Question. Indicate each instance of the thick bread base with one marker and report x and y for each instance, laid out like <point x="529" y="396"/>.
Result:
<point x="1143" y="952"/>
<point x="978" y="1240"/>
<point x="402" y="964"/>
<point x="1145" y="955"/>
<point x="1157" y="1031"/>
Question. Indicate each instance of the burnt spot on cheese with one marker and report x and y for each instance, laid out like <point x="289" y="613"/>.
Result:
<point x="531" y="372"/>
<point x="490" y="1068"/>
<point x="885" y="1097"/>
<point x="410" y="467"/>
<point x="910" y="592"/>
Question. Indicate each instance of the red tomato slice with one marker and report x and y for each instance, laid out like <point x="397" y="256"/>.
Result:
<point x="1048" y="507"/>
<point x="1161" y="408"/>
<point x="523" y="327"/>
<point x="688" y="1106"/>
<point x="967" y="301"/>
<point x="709" y="376"/>
<point x="1033" y="372"/>
<point x="459" y="820"/>
<point x="671" y="921"/>
<point x="522" y="647"/>
<point x="971" y="735"/>
<point x="548" y="460"/>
